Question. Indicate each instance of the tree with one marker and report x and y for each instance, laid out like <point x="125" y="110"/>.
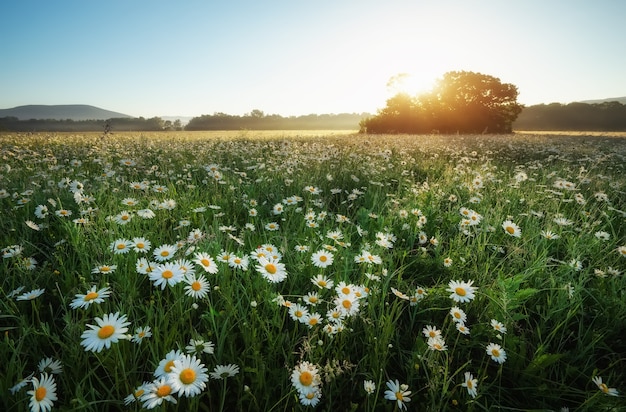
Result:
<point x="460" y="102"/>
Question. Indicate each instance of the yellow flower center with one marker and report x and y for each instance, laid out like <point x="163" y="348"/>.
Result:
<point x="196" y="286"/>
<point x="310" y="395"/>
<point x="298" y="314"/>
<point x="121" y="246"/>
<point x="399" y="396"/>
<point x="604" y="388"/>
<point x="322" y="283"/>
<point x="346" y="304"/>
<point x="495" y="352"/>
<point x="106" y="331"/>
<point x="105" y="268"/>
<point x="40" y="393"/>
<point x="125" y="217"/>
<point x="345" y="290"/>
<point x="323" y="258"/>
<point x="187" y="376"/>
<point x="91" y="296"/>
<point x="167" y="274"/>
<point x="168" y="366"/>
<point x="470" y="384"/>
<point x="270" y="268"/>
<point x="306" y="378"/>
<point x="165" y="253"/>
<point x="140" y="245"/>
<point x="138" y="393"/>
<point x="163" y="391"/>
<point x="205" y="262"/>
<point x="510" y="229"/>
<point x="313" y="321"/>
<point x="457" y="315"/>
<point x="460" y="291"/>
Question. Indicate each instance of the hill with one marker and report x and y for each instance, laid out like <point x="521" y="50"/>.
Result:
<point x="622" y="100"/>
<point x="76" y="112"/>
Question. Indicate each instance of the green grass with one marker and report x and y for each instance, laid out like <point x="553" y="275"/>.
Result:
<point x="561" y="300"/>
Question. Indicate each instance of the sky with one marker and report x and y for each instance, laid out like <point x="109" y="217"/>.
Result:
<point x="187" y="58"/>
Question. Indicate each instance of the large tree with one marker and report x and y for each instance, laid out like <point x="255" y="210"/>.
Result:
<point x="460" y="102"/>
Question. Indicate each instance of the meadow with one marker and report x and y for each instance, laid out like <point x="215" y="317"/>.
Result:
<point x="297" y="271"/>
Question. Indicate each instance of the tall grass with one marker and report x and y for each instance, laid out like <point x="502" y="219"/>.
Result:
<point x="560" y="296"/>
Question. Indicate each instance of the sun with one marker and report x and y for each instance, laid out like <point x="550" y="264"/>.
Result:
<point x="409" y="83"/>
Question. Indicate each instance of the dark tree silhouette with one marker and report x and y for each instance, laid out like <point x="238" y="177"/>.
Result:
<point x="460" y="102"/>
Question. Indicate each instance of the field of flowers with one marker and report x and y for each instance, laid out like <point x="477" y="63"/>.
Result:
<point x="235" y="271"/>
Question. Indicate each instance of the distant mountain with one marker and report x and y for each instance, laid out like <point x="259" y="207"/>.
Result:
<point x="61" y="112"/>
<point x="622" y="100"/>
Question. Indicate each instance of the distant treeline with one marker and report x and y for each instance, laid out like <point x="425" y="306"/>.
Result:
<point x="607" y="116"/>
<point x="117" y="124"/>
<point x="257" y="120"/>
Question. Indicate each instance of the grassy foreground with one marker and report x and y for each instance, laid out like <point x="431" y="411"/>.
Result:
<point x="260" y="272"/>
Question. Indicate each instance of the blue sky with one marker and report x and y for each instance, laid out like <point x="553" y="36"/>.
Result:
<point x="157" y="58"/>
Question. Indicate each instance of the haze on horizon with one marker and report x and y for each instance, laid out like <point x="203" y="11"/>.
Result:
<point x="155" y="58"/>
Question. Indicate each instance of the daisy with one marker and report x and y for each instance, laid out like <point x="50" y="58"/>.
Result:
<point x="310" y="398"/>
<point x="165" y="365"/>
<point x="198" y="346"/>
<point x="92" y="296"/>
<point x="550" y="235"/>
<point x="206" y="262"/>
<point x="511" y="229"/>
<point x="272" y="226"/>
<point x="297" y="312"/>
<point x="50" y="365"/>
<point x="271" y="269"/>
<point x="447" y="262"/>
<point x="63" y="213"/>
<point x="145" y="213"/>
<point x="322" y="282"/>
<point x="111" y="328"/>
<point x="398" y="393"/>
<point x="166" y="274"/>
<point x="498" y="326"/>
<point x="104" y="269"/>
<point x="164" y="252"/>
<point x="621" y="250"/>
<point x="437" y="344"/>
<point x="471" y="384"/>
<point x="144" y="267"/>
<point x="237" y="262"/>
<point x="312" y="319"/>
<point x="369" y="387"/>
<point x="33" y="294"/>
<point x="322" y="259"/>
<point x="301" y="248"/>
<point x="458" y="315"/>
<point x="120" y="246"/>
<point x="137" y="393"/>
<point x="44" y="393"/>
<point x="188" y="376"/>
<point x="141" y="333"/>
<point x="348" y="304"/>
<point x="462" y="328"/>
<point x="156" y="392"/>
<point x="461" y="291"/>
<point x="141" y="244"/>
<point x="604" y="388"/>
<point x="431" y="331"/>
<point x="197" y="286"/>
<point x="41" y="211"/>
<point x="311" y="298"/>
<point x="305" y="377"/>
<point x="496" y="352"/>
<point x="122" y="218"/>
<point x="562" y="221"/>
<point x="224" y="371"/>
